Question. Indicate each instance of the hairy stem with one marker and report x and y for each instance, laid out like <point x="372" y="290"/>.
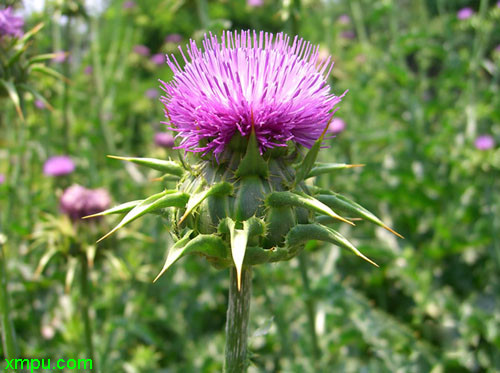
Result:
<point x="238" y="312"/>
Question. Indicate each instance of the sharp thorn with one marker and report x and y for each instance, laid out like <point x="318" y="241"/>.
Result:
<point x="393" y="231"/>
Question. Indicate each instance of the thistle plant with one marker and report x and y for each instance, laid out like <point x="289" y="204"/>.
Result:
<point x="67" y="236"/>
<point x="252" y="111"/>
<point x="16" y="64"/>
<point x="16" y="69"/>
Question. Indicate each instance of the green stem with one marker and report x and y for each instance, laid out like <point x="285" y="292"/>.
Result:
<point x="279" y="320"/>
<point x="202" y="9"/>
<point x="310" y="307"/>
<point x="295" y="13"/>
<point x="357" y="13"/>
<point x="86" y="296"/>
<point x="238" y="312"/>
<point x="8" y="332"/>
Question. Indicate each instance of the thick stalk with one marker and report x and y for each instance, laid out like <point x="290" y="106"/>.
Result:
<point x="238" y="311"/>
<point x="86" y="296"/>
<point x="8" y="332"/>
<point x="310" y="307"/>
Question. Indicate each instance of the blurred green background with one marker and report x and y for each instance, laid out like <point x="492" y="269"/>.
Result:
<point x="423" y="79"/>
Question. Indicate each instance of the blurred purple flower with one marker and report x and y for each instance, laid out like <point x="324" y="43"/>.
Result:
<point x="255" y="3"/>
<point x="498" y="4"/>
<point x="58" y="166"/>
<point x="465" y="13"/>
<point x="158" y="58"/>
<point x="88" y="70"/>
<point x="173" y="38"/>
<point x="128" y="4"/>
<point x="78" y="201"/>
<point x="497" y="48"/>
<point x="152" y="93"/>
<point x="164" y="139"/>
<point x="344" y="19"/>
<point x="249" y="80"/>
<point x="337" y="125"/>
<point x="98" y="200"/>
<point x="2" y="179"/>
<point x="10" y="24"/>
<point x="141" y="50"/>
<point x="348" y="34"/>
<point x="484" y="142"/>
<point x="60" y="56"/>
<point x="39" y="104"/>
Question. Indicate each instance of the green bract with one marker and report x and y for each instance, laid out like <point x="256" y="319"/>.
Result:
<point x="247" y="208"/>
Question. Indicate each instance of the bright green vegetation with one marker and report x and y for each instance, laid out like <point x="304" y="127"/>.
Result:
<point x="423" y="85"/>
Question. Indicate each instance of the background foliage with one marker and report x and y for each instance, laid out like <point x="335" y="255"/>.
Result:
<point x="423" y="85"/>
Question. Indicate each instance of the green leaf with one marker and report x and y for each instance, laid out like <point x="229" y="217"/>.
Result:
<point x="28" y="35"/>
<point x="90" y="253"/>
<point x="15" y="57"/>
<point x="252" y="163"/>
<point x="44" y="260"/>
<point x="325" y="168"/>
<point x="37" y="95"/>
<point x="175" y="253"/>
<point x="205" y="244"/>
<point x="302" y="233"/>
<point x="335" y="200"/>
<point x="168" y="167"/>
<point x="14" y="96"/>
<point x="299" y="199"/>
<point x="118" y="264"/>
<point x="223" y="188"/>
<point x="42" y="57"/>
<point x="70" y="273"/>
<point x="50" y="72"/>
<point x="150" y="204"/>
<point x="120" y="209"/>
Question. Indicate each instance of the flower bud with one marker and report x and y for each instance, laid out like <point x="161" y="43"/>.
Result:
<point x="78" y="201"/>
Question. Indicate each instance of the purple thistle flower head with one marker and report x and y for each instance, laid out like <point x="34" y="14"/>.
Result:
<point x="97" y="200"/>
<point x="2" y="179"/>
<point x="10" y="25"/>
<point x="58" y="166"/>
<point x="337" y="125"/>
<point x="348" y="34"/>
<point x="465" y="13"/>
<point x="249" y="80"/>
<point x="128" y="4"/>
<point x="255" y="3"/>
<point x="164" y="140"/>
<point x="60" y="56"/>
<point x="484" y="142"/>
<point x="39" y="104"/>
<point x="141" y="50"/>
<point x="152" y="93"/>
<point x="344" y="19"/>
<point x="88" y="70"/>
<point x="173" y="38"/>
<point x="78" y="201"/>
<point x="158" y="58"/>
